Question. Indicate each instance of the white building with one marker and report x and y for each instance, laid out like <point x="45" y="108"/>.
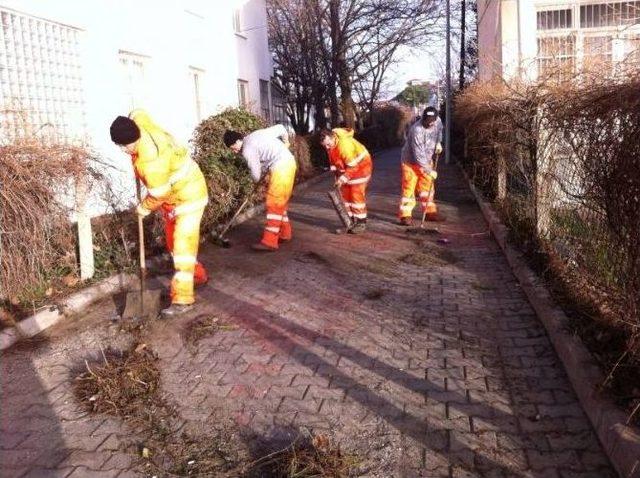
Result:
<point x="533" y="38"/>
<point x="69" y="67"/>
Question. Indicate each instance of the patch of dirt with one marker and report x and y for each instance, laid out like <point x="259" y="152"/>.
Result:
<point x="310" y="257"/>
<point x="430" y="256"/>
<point x="201" y="327"/>
<point x="482" y="286"/>
<point x="373" y="294"/>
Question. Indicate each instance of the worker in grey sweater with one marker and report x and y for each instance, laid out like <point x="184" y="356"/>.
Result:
<point x="422" y="145"/>
<point x="267" y="154"/>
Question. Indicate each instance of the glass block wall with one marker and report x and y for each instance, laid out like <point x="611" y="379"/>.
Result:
<point x="40" y="79"/>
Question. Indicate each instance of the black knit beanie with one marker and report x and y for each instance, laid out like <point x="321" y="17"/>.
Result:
<point x="124" y="131"/>
<point x="230" y="137"/>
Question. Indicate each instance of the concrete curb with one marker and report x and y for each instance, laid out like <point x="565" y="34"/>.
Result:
<point x="32" y="326"/>
<point x="620" y="441"/>
<point x="50" y="315"/>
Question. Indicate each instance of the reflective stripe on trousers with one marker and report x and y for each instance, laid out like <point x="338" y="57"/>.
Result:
<point x="354" y="196"/>
<point x="278" y="194"/>
<point x="416" y="183"/>
<point x="183" y="237"/>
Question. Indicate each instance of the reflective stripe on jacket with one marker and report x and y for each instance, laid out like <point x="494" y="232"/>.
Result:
<point x="349" y="156"/>
<point x="165" y="168"/>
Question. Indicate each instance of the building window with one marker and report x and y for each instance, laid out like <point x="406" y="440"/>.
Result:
<point x="597" y="53"/>
<point x="195" y="78"/>
<point x="265" y="105"/>
<point x="135" y="86"/>
<point x="40" y="79"/>
<point x="632" y="50"/>
<point x="237" y="25"/>
<point x="556" y="57"/>
<point x="554" y="19"/>
<point x="243" y="94"/>
<point x="609" y="14"/>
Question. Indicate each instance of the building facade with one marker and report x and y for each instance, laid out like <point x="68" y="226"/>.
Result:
<point x="536" y="39"/>
<point x="69" y="67"/>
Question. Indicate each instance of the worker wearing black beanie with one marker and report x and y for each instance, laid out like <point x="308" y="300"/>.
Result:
<point x="175" y="186"/>
<point x="124" y="131"/>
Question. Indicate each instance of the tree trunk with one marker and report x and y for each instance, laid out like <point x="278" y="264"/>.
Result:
<point x="463" y="47"/>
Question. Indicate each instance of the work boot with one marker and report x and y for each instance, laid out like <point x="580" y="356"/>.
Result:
<point x="175" y="310"/>
<point x="406" y="221"/>
<point x="261" y="247"/>
<point x="359" y="227"/>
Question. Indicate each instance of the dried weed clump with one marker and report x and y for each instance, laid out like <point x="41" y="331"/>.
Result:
<point x="307" y="457"/>
<point x="126" y="384"/>
<point x="36" y="238"/>
<point x="201" y="327"/>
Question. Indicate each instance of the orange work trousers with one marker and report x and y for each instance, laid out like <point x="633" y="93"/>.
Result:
<point x="281" y="179"/>
<point x="182" y="231"/>
<point x="415" y="182"/>
<point x="354" y="195"/>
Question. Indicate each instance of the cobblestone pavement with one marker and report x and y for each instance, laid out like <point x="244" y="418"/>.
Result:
<point x="423" y="359"/>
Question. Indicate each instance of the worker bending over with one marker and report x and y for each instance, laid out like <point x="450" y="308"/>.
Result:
<point x="422" y="145"/>
<point x="267" y="154"/>
<point x="174" y="185"/>
<point x="352" y="164"/>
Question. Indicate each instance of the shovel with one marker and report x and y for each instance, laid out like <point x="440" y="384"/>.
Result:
<point x="143" y="302"/>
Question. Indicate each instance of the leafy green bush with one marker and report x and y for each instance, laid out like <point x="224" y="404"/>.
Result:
<point x="226" y="173"/>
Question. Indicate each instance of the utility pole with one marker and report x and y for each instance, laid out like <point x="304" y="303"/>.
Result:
<point x="447" y="128"/>
<point x="463" y="46"/>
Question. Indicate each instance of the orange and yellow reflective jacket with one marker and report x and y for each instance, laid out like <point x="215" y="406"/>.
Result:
<point x="349" y="156"/>
<point x="171" y="177"/>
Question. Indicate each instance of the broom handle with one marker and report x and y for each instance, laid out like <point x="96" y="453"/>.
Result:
<point x="239" y="210"/>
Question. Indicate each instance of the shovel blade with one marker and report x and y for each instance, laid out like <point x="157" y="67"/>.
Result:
<point x="146" y="305"/>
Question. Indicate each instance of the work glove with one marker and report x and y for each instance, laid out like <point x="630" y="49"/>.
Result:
<point x="342" y="180"/>
<point x="438" y="149"/>
<point x="433" y="174"/>
<point x="142" y="211"/>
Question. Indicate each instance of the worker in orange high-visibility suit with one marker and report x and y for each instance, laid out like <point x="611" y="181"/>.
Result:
<point x="353" y="166"/>
<point x="175" y="185"/>
<point x="423" y="142"/>
<point x="267" y="154"/>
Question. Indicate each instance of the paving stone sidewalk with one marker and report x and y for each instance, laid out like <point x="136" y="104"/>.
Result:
<point x="424" y="359"/>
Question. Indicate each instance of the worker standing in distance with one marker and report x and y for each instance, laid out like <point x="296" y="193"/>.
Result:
<point x="352" y="165"/>
<point x="175" y="184"/>
<point x="422" y="145"/>
<point x="267" y="154"/>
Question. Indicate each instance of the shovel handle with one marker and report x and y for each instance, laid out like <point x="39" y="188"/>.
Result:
<point x="143" y="264"/>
